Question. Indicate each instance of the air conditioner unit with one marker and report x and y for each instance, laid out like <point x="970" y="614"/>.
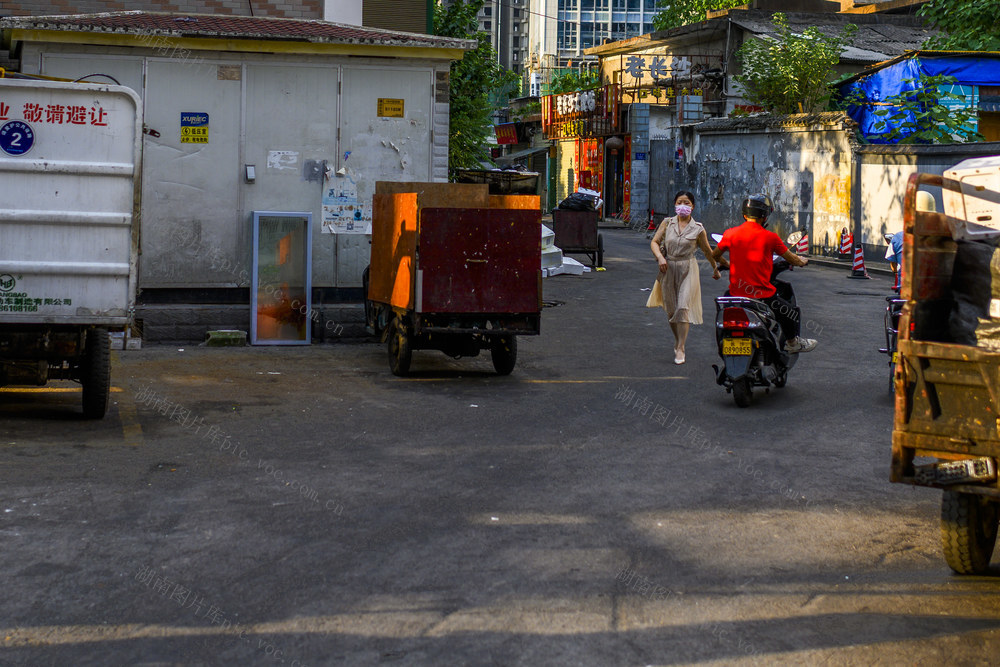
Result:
<point x="535" y="84"/>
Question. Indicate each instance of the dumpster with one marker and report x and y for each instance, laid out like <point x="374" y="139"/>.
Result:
<point x="501" y="182"/>
<point x="70" y="157"/>
<point x="454" y="269"/>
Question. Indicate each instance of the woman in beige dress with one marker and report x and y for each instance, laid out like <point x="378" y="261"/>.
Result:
<point x="673" y="246"/>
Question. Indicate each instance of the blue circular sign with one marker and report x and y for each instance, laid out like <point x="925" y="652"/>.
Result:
<point x="16" y="138"/>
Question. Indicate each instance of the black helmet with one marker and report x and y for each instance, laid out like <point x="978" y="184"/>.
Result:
<point x="758" y="206"/>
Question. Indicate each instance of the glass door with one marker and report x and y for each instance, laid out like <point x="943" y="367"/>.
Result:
<point x="281" y="292"/>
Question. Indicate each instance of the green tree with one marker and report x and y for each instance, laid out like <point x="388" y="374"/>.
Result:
<point x="473" y="78"/>
<point x="675" y="13"/>
<point x="919" y="116"/>
<point x="569" y="81"/>
<point x="968" y="25"/>
<point x="790" y="73"/>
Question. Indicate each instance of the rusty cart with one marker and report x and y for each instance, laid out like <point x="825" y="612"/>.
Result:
<point x="946" y="430"/>
<point x="576" y="232"/>
<point x="454" y="269"/>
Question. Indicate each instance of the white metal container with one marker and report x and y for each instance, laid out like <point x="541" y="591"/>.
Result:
<point x="69" y="171"/>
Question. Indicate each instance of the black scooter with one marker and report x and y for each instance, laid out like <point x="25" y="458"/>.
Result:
<point x="751" y="343"/>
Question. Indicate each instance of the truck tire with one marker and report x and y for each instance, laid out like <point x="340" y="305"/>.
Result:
<point x="503" y="349"/>
<point x="968" y="531"/>
<point x="400" y="353"/>
<point x="95" y="373"/>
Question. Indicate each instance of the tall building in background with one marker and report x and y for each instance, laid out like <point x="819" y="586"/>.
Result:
<point x="507" y="21"/>
<point x="561" y="29"/>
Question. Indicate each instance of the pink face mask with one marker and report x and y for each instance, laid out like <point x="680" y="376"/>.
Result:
<point x="683" y="210"/>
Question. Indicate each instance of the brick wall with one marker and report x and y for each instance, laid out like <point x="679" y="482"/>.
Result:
<point x="299" y="9"/>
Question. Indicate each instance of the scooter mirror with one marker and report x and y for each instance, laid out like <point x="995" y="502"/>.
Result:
<point x="793" y="238"/>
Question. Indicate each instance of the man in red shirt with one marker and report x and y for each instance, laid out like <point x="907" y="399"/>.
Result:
<point x="750" y="247"/>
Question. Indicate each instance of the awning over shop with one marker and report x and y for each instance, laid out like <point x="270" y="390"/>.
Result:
<point x="514" y="157"/>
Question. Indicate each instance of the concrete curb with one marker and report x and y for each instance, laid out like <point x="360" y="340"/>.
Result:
<point x="878" y="268"/>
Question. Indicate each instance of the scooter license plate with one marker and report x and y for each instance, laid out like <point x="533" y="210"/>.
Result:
<point x="737" y="346"/>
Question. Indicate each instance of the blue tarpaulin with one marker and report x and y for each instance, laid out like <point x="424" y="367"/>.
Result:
<point x="968" y="70"/>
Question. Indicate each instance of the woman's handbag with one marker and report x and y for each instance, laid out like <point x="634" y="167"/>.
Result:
<point x="655" y="299"/>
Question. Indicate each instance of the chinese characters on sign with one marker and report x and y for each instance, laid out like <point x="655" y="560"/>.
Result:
<point x="22" y="303"/>
<point x="194" y="128"/>
<point x="656" y="66"/>
<point x="390" y="108"/>
<point x="506" y="133"/>
<point x="57" y="114"/>
<point x="587" y="113"/>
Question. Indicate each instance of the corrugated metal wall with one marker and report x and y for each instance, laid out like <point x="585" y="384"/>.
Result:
<point x="407" y="15"/>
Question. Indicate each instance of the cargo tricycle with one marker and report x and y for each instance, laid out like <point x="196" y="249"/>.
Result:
<point x="946" y="431"/>
<point x="454" y="269"/>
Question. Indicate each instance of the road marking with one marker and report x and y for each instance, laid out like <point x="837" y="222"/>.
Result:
<point x="49" y="390"/>
<point x="131" y="429"/>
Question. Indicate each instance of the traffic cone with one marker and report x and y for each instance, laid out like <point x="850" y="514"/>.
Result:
<point x="802" y="247"/>
<point x="652" y="225"/>
<point x="846" y="241"/>
<point x="859" y="270"/>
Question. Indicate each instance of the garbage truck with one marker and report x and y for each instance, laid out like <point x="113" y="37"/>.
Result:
<point x="70" y="161"/>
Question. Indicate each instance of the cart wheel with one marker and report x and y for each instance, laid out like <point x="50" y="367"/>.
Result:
<point x="503" y="349"/>
<point x="95" y="373"/>
<point x="399" y="349"/>
<point x="742" y="392"/>
<point x="600" y="250"/>
<point x="968" y="531"/>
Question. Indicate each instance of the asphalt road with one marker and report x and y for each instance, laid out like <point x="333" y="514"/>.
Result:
<point x="600" y="506"/>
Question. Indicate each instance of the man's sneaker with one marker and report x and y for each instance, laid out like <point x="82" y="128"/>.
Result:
<point x="799" y="344"/>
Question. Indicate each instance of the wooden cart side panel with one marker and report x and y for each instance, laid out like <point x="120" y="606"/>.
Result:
<point x="525" y="202"/>
<point x="394" y="249"/>
<point x="480" y="260"/>
<point x="440" y="195"/>
<point x="948" y="404"/>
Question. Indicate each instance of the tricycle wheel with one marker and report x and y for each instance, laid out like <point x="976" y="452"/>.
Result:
<point x="504" y="352"/>
<point x="399" y="349"/>
<point x="600" y="250"/>
<point x="968" y="531"/>
<point x="742" y="392"/>
<point x="95" y="373"/>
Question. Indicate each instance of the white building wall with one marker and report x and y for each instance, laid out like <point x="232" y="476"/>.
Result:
<point x="343" y="11"/>
<point x="310" y="130"/>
